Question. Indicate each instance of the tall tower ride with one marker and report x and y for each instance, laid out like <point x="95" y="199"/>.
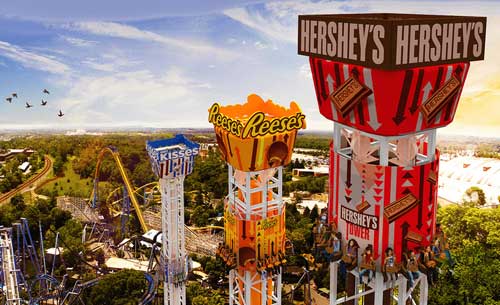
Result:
<point x="173" y="159"/>
<point x="387" y="81"/>
<point x="256" y="140"/>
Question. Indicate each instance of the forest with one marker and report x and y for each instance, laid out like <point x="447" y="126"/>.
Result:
<point x="473" y="232"/>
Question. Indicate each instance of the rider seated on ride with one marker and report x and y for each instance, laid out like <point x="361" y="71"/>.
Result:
<point x="269" y="263"/>
<point x="350" y="257"/>
<point x="260" y="266"/>
<point x="390" y="267"/>
<point x="281" y="257"/>
<point x="367" y="265"/>
<point x="443" y="245"/>
<point x="410" y="267"/>
<point x="333" y="249"/>
<point x="431" y="264"/>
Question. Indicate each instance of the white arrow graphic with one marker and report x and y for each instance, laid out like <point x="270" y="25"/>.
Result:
<point x="407" y="183"/>
<point x="330" y="81"/>
<point x="427" y="89"/>
<point x="346" y="76"/>
<point x="372" y="107"/>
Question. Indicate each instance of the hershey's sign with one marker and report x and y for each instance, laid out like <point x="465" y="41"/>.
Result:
<point x="392" y="41"/>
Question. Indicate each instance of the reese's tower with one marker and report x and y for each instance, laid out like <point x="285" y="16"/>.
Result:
<point x="256" y="140"/>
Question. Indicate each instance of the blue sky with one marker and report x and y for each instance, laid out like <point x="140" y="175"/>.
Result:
<point x="115" y="63"/>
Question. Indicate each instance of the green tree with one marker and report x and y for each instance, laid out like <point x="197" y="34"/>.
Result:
<point x="474" y="240"/>
<point x="475" y="191"/>
<point x="120" y="288"/>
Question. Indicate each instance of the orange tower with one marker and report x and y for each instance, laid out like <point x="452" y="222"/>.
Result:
<point x="256" y="140"/>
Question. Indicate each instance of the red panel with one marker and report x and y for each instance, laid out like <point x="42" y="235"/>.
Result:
<point x="393" y="108"/>
<point x="380" y="186"/>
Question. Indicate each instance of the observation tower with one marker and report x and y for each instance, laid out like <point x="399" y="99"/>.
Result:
<point x="256" y="140"/>
<point x="173" y="159"/>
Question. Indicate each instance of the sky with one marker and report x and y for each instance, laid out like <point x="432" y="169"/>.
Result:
<point x="116" y="63"/>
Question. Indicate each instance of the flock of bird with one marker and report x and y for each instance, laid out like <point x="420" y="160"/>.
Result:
<point x="28" y="105"/>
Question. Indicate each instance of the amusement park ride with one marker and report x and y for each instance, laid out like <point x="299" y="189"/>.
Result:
<point x="172" y="160"/>
<point x="256" y="140"/>
<point x="387" y="81"/>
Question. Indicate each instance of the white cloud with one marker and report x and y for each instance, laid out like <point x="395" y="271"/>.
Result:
<point x="109" y="62"/>
<point x="260" y="45"/>
<point x="32" y="60"/>
<point x="136" y="95"/>
<point x="267" y="25"/>
<point x="278" y="19"/>
<point x="79" y="42"/>
<point x="305" y="71"/>
<point x="118" y="30"/>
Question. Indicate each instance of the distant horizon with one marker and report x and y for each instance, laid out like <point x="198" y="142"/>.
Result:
<point x="208" y="129"/>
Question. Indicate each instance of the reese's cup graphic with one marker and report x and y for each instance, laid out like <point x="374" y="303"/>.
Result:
<point x="258" y="134"/>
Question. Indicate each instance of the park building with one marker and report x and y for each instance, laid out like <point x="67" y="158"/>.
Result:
<point x="8" y="154"/>
<point x="310" y="172"/>
<point x="25" y="167"/>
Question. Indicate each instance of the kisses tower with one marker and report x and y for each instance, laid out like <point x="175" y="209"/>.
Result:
<point x="172" y="160"/>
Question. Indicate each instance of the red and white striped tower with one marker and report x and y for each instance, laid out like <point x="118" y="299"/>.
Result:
<point x="387" y="82"/>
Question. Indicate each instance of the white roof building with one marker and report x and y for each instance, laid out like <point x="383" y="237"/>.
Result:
<point x="25" y="166"/>
<point x="458" y="174"/>
<point x="121" y="263"/>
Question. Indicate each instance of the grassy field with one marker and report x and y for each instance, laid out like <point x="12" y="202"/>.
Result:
<point x="70" y="184"/>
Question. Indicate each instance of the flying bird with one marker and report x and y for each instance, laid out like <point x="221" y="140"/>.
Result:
<point x="60" y="114"/>
<point x="8" y="99"/>
<point x="46" y="91"/>
<point x="44" y="103"/>
<point x="14" y="95"/>
<point x="28" y="105"/>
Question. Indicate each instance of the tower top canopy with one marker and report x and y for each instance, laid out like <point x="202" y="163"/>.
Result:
<point x="392" y="41"/>
<point x="256" y="135"/>
<point x="179" y="150"/>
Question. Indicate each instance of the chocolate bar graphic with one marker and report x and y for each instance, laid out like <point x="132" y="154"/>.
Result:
<point x="348" y="95"/>
<point x="363" y="206"/>
<point x="400" y="207"/>
<point x="440" y="98"/>
<point x="432" y="177"/>
<point x="414" y="237"/>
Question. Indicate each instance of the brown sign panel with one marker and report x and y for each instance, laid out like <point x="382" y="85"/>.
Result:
<point x="392" y="41"/>
<point x="432" y="177"/>
<point x="414" y="237"/>
<point x="400" y="207"/>
<point x="363" y="206"/>
<point x="348" y="95"/>
<point x="440" y="98"/>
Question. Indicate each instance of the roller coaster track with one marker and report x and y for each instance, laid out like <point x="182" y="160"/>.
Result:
<point x="153" y="184"/>
<point x="130" y="189"/>
<point x="27" y="183"/>
<point x="194" y="242"/>
<point x="9" y="270"/>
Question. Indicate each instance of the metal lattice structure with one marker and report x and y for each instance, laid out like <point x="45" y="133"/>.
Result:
<point x="247" y="286"/>
<point x="8" y="269"/>
<point x="173" y="159"/>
